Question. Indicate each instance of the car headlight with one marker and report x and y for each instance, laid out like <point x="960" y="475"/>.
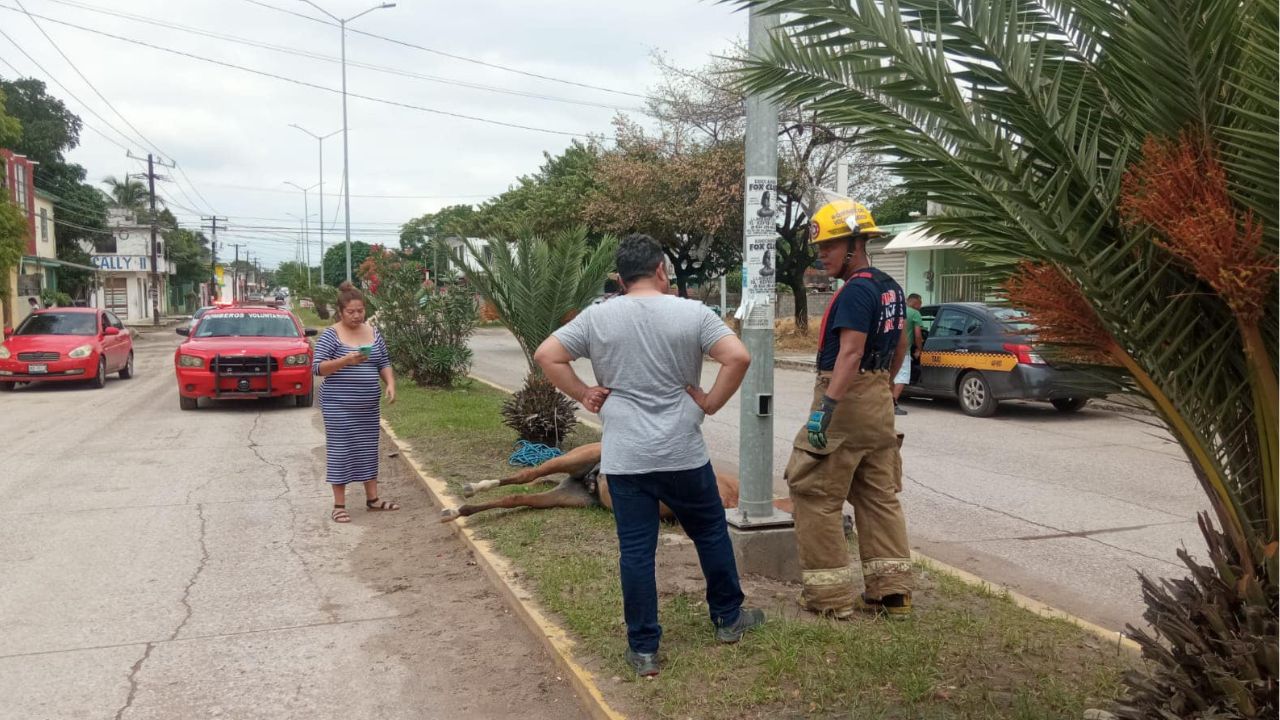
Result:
<point x="190" y="361"/>
<point x="4" y="353"/>
<point x="83" y="351"/>
<point x="299" y="359"/>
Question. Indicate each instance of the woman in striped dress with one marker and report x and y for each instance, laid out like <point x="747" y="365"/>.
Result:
<point x="352" y="357"/>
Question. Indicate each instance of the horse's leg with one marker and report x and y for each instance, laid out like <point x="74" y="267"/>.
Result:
<point x="569" y="493"/>
<point x="575" y="462"/>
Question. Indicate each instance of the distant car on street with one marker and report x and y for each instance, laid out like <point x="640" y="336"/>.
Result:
<point x="981" y="354"/>
<point x="243" y="351"/>
<point x="65" y="345"/>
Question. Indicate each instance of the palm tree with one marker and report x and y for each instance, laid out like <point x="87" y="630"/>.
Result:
<point x="1115" y="161"/>
<point x="128" y="194"/>
<point x="535" y="285"/>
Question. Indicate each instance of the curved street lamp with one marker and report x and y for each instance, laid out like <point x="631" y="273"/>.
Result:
<point x="346" y="167"/>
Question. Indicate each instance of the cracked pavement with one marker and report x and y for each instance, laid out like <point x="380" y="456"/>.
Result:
<point x="167" y="564"/>
<point x="1064" y="508"/>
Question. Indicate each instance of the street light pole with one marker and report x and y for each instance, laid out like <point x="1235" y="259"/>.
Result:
<point x="319" y="141"/>
<point x="306" y="227"/>
<point x="755" y="467"/>
<point x="346" y="156"/>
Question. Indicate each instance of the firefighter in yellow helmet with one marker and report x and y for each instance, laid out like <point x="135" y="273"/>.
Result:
<point x="848" y="449"/>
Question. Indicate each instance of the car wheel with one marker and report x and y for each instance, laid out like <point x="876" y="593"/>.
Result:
<point x="126" y="372"/>
<point x="187" y="403"/>
<point x="1070" y="405"/>
<point x="100" y="380"/>
<point x="306" y="400"/>
<point x="975" y="395"/>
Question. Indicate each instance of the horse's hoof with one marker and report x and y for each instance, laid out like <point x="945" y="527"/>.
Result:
<point x="449" y="515"/>
<point x="468" y="490"/>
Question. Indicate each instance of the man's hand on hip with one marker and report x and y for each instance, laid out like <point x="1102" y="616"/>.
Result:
<point x="593" y="398"/>
<point x="702" y="399"/>
<point x="819" y="420"/>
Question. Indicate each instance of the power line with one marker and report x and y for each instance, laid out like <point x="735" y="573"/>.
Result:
<point x="331" y="59"/>
<point x="354" y="195"/>
<point x="19" y="74"/>
<point x="97" y="92"/>
<point x="67" y="90"/>
<point x="303" y="83"/>
<point x="453" y="56"/>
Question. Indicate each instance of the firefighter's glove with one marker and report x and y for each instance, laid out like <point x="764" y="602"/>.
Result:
<point x="819" y="420"/>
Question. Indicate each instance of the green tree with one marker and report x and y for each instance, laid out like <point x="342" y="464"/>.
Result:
<point x="550" y="201"/>
<point x="536" y="285"/>
<point x="129" y="194"/>
<point x="423" y="238"/>
<point x="898" y="206"/>
<point x="49" y="131"/>
<point x="13" y="224"/>
<point x="1125" y="154"/>
<point x="686" y="197"/>
<point x="293" y="275"/>
<point x="335" y="262"/>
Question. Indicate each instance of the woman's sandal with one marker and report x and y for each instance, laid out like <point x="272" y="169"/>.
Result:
<point x="376" y="505"/>
<point x="340" y="514"/>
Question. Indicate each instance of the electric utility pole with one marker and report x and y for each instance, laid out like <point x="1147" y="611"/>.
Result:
<point x="154" y="291"/>
<point x="213" y="252"/>
<point x="235" y="272"/>
<point x="756" y="313"/>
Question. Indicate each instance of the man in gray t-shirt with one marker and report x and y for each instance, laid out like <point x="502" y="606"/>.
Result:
<point x="646" y="351"/>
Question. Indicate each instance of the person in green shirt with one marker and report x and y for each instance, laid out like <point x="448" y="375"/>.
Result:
<point x="915" y="323"/>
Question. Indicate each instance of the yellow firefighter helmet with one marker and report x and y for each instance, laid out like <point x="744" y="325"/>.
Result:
<point x="840" y="219"/>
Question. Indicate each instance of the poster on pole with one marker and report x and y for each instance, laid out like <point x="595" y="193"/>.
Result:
<point x="759" y="274"/>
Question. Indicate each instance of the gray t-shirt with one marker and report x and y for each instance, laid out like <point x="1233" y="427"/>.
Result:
<point x="646" y="350"/>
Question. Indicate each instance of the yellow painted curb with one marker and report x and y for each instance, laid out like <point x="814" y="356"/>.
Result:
<point x="1121" y="640"/>
<point x="519" y="599"/>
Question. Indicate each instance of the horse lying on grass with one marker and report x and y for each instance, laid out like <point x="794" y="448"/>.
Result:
<point x="584" y="487"/>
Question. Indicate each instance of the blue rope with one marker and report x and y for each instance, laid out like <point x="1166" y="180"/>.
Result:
<point x="530" y="454"/>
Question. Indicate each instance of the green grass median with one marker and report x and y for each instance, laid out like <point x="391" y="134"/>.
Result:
<point x="965" y="654"/>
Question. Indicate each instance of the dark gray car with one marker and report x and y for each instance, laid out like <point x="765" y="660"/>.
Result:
<point x="981" y="354"/>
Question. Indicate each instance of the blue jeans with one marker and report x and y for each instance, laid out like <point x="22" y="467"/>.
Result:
<point x="694" y="498"/>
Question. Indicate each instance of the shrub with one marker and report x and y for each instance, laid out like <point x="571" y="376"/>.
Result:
<point x="426" y="329"/>
<point x="539" y="413"/>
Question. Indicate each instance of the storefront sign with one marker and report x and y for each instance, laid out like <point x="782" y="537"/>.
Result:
<point x="121" y="263"/>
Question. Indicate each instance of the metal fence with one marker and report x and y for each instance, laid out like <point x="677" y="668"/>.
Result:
<point x="961" y="287"/>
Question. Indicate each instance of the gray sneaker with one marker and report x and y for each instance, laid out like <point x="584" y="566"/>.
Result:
<point x="747" y="619"/>
<point x="645" y="664"/>
<point x="897" y="410"/>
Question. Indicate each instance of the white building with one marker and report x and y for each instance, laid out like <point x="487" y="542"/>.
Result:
<point x="126" y="270"/>
<point x="458" y="249"/>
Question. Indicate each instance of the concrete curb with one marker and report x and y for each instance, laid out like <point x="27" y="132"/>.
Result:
<point x="1121" y="640"/>
<point x="500" y="572"/>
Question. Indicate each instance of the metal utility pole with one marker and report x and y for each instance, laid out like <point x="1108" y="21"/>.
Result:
<point x="755" y="448"/>
<point x="306" y="227"/>
<point x="213" y="252"/>
<point x="235" y="273"/>
<point x="319" y="141"/>
<point x="154" y="290"/>
<point x="346" y="158"/>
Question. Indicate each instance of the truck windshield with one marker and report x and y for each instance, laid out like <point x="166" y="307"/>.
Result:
<point x="246" y="324"/>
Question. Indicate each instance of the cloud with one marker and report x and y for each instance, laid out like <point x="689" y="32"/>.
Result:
<point x="229" y="128"/>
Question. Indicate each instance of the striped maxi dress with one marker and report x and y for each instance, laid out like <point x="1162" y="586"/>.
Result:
<point x="349" y="402"/>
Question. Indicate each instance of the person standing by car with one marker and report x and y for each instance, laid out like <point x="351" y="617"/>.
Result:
<point x="915" y="340"/>
<point x="646" y="350"/>
<point x="848" y="449"/>
<point x="352" y="357"/>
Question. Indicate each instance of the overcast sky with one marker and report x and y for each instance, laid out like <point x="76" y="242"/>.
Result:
<point x="228" y="128"/>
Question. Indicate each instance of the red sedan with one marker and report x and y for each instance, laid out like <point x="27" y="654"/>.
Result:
<point x="66" y="344"/>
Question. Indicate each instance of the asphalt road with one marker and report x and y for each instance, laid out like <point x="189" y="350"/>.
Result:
<point x="1064" y="508"/>
<point x="164" y="564"/>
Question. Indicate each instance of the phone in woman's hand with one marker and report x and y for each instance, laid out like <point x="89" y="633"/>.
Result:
<point x="365" y="350"/>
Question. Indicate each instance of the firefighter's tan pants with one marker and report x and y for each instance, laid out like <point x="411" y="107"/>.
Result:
<point x="861" y="463"/>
